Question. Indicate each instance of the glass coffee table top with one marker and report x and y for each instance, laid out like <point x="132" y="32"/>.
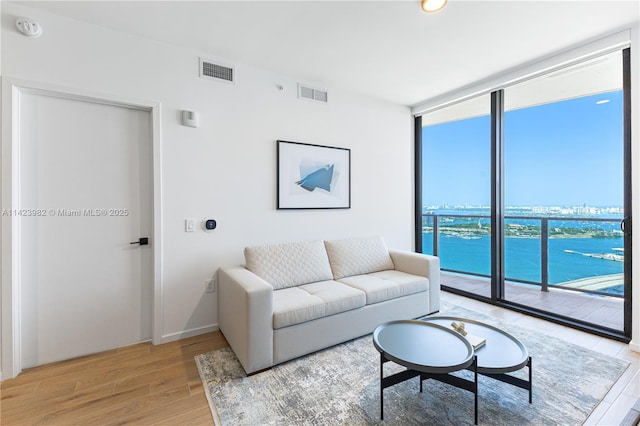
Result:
<point x="502" y="353"/>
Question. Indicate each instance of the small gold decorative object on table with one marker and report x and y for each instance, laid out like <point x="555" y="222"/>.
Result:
<point x="476" y="341"/>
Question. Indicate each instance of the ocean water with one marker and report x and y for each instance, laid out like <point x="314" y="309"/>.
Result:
<point x="523" y="257"/>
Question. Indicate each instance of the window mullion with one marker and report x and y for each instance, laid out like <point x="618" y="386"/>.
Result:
<point x="497" y="195"/>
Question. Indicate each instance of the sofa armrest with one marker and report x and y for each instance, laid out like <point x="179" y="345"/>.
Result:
<point x="245" y="316"/>
<point x="423" y="265"/>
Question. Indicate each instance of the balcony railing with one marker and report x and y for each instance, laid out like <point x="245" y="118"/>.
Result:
<point x="578" y="242"/>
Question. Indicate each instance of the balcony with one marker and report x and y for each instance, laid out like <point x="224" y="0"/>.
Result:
<point x="569" y="266"/>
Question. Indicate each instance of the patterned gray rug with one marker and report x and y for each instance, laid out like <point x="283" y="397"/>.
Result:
<point x="340" y="385"/>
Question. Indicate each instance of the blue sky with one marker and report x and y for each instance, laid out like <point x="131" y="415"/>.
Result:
<point x="565" y="153"/>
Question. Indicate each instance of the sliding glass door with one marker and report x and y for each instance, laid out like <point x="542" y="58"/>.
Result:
<point x="564" y="192"/>
<point x="555" y="154"/>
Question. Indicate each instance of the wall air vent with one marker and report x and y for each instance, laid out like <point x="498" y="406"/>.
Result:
<point x="312" y="94"/>
<point x="218" y="72"/>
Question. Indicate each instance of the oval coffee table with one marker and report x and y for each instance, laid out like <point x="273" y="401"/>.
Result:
<point x="433" y="353"/>
<point x="427" y="350"/>
<point x="502" y="353"/>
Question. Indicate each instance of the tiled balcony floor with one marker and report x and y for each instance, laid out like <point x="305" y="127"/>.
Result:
<point x="596" y="309"/>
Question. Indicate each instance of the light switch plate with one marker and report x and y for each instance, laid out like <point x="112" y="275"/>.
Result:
<point x="189" y="225"/>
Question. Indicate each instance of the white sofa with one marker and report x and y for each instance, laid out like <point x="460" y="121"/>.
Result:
<point x="296" y="298"/>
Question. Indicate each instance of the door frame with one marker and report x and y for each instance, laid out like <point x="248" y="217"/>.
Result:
<point x="10" y="229"/>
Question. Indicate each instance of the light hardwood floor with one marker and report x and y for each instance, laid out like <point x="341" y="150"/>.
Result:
<point x="140" y="384"/>
<point x="144" y="384"/>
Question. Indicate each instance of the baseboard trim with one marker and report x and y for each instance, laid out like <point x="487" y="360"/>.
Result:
<point x="634" y="346"/>
<point x="189" y="333"/>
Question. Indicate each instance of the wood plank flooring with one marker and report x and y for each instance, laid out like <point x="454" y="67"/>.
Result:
<point x="140" y="384"/>
<point x="145" y="384"/>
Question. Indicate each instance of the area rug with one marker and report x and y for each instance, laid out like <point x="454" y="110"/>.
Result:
<point x="340" y="386"/>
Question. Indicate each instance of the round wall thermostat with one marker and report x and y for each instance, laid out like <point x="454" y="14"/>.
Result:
<point x="210" y="224"/>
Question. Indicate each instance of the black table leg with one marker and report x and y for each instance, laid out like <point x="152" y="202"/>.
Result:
<point x="381" y="386"/>
<point x="475" y="388"/>
<point x="530" y="380"/>
<point x="459" y="382"/>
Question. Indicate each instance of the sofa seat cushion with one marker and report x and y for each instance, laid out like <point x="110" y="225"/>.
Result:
<point x="357" y="256"/>
<point x="290" y="264"/>
<point x="307" y="302"/>
<point x="385" y="285"/>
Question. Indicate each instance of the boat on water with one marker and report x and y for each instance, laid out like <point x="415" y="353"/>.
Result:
<point x="605" y="256"/>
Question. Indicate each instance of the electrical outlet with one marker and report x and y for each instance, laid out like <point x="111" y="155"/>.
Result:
<point x="210" y="286"/>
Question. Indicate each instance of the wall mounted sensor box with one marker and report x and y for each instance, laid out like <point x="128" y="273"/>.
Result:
<point x="190" y="118"/>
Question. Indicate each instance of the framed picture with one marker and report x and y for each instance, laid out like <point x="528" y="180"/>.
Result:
<point x="313" y="176"/>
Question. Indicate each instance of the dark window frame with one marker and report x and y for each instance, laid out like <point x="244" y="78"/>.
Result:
<point x="497" y="214"/>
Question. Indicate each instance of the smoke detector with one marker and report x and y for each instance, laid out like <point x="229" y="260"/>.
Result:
<point x="28" y="27"/>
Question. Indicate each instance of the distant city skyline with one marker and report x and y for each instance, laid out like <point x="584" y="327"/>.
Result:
<point x="567" y="153"/>
<point x="607" y="211"/>
<point x="482" y="206"/>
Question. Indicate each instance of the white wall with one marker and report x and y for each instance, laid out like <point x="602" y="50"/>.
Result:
<point x="225" y="169"/>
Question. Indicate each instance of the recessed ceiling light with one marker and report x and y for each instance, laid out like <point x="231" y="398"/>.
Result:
<point x="603" y="101"/>
<point x="432" y="5"/>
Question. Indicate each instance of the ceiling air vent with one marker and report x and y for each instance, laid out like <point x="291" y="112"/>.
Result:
<point x="216" y="72"/>
<point x="312" y="94"/>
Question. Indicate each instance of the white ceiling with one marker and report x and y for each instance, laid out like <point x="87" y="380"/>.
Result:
<point x="385" y="49"/>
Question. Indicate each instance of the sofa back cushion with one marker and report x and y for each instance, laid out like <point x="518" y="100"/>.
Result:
<point x="290" y="264"/>
<point x="357" y="256"/>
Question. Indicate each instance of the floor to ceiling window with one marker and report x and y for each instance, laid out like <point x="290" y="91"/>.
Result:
<point x="456" y="182"/>
<point x="558" y="168"/>
<point x="564" y="191"/>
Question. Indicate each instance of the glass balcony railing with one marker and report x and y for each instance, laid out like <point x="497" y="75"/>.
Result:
<point x="576" y="253"/>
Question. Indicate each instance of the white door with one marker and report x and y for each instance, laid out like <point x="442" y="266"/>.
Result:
<point x="85" y="195"/>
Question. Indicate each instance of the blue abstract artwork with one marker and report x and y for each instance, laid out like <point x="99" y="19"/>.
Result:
<point x="320" y="178"/>
<point x="313" y="176"/>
